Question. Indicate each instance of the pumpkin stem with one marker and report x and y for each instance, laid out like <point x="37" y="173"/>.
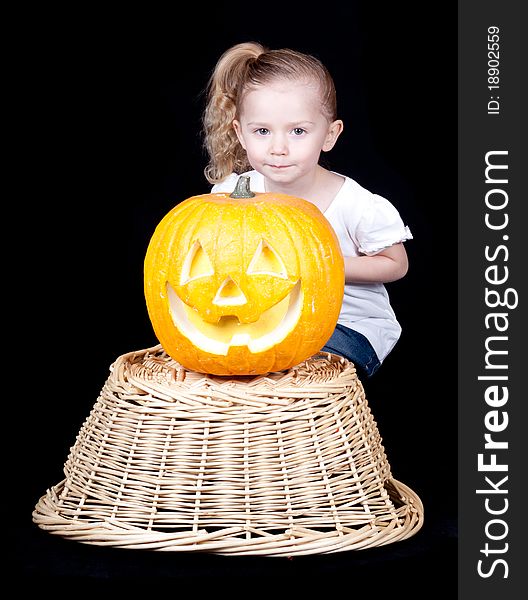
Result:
<point x="242" y="188"/>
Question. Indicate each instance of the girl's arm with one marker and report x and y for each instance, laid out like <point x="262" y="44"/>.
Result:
<point x="388" y="265"/>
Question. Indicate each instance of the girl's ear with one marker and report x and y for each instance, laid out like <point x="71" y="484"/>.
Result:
<point x="334" y="131"/>
<point x="238" y="130"/>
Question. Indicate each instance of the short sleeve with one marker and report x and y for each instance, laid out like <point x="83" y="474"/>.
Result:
<point x="380" y="227"/>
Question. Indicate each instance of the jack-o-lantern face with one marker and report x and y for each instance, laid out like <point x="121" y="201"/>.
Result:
<point x="253" y="303"/>
<point x="243" y="286"/>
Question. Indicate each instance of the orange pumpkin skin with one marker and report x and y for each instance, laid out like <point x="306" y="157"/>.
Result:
<point x="243" y="286"/>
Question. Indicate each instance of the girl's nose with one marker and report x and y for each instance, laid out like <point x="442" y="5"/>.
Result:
<point x="278" y="145"/>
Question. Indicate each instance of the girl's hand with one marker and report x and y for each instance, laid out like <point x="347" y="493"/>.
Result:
<point x="388" y="265"/>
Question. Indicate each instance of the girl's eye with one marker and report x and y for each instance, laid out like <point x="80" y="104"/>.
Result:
<point x="299" y="131"/>
<point x="262" y="131"/>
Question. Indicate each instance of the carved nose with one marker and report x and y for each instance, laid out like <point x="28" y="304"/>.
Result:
<point x="229" y="294"/>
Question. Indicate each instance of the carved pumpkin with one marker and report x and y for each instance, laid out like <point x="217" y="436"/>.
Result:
<point x="243" y="284"/>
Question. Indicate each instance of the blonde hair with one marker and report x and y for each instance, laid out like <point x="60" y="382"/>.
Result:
<point x="240" y="68"/>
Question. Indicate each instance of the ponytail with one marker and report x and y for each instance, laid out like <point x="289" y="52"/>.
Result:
<point x="226" y="154"/>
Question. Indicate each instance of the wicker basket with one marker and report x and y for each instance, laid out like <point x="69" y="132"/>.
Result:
<point x="284" y="464"/>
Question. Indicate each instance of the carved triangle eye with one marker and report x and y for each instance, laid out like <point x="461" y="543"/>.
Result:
<point x="266" y="261"/>
<point x="197" y="264"/>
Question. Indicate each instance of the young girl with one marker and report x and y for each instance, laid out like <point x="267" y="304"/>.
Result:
<point x="269" y="114"/>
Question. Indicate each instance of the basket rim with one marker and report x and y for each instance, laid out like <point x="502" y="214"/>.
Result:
<point x="106" y="532"/>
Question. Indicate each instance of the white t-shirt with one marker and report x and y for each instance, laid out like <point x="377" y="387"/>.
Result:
<point x="365" y="223"/>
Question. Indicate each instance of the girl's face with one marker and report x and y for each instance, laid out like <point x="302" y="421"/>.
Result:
<point x="283" y="130"/>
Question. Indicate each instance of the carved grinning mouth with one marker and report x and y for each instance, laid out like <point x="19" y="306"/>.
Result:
<point x="271" y="328"/>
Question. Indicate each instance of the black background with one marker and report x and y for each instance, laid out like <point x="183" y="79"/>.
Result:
<point x="108" y="114"/>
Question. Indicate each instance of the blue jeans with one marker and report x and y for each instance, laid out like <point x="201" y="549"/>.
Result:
<point x="355" y="347"/>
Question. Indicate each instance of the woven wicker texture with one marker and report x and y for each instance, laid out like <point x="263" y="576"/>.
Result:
<point x="284" y="464"/>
